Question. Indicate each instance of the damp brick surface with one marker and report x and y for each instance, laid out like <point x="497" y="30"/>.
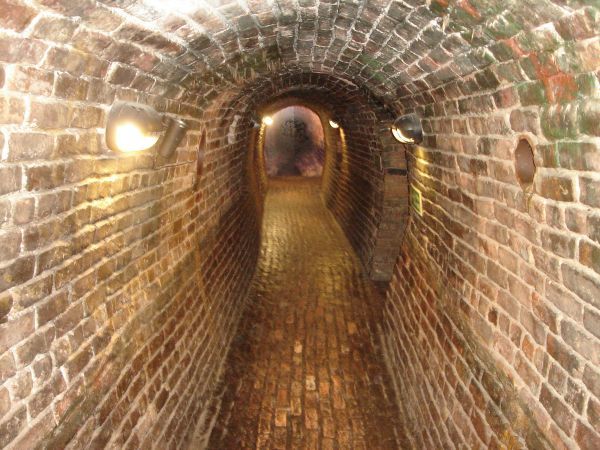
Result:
<point x="124" y="276"/>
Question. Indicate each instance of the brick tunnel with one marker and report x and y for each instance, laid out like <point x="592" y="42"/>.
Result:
<point x="441" y="293"/>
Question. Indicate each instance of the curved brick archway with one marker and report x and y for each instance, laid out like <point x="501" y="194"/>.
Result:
<point x="369" y="195"/>
<point x="122" y="277"/>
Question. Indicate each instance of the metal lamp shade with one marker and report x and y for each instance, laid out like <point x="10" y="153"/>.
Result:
<point x="146" y="120"/>
<point x="410" y="129"/>
<point x="176" y="130"/>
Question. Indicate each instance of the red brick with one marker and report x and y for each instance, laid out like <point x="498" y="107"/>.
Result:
<point x="557" y="410"/>
<point x="586" y="438"/>
<point x="581" y="283"/>
<point x="16" y="14"/>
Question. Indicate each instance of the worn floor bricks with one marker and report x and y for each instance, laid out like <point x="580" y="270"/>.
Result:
<point x="306" y="369"/>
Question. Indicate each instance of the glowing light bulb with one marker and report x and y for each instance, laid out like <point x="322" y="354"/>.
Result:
<point x="397" y="133"/>
<point x="130" y="138"/>
<point x="333" y="124"/>
<point x="267" y="120"/>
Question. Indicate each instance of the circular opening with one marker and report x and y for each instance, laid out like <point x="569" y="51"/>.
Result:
<point x="524" y="162"/>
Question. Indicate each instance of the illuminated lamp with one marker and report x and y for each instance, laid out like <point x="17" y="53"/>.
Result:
<point x="333" y="124"/>
<point x="267" y="120"/>
<point x="133" y="127"/>
<point x="407" y="129"/>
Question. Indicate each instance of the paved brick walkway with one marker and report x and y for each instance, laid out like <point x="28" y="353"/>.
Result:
<point x="305" y="370"/>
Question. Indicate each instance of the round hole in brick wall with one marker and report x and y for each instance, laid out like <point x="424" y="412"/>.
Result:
<point x="524" y="162"/>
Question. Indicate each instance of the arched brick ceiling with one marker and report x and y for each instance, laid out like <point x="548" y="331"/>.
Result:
<point x="335" y="95"/>
<point x="396" y="49"/>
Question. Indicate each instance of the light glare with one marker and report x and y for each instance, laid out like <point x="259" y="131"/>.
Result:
<point x="397" y="133"/>
<point x="333" y="124"/>
<point x="268" y="120"/>
<point x="129" y="138"/>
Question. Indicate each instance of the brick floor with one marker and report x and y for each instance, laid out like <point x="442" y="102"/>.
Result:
<point x="306" y="370"/>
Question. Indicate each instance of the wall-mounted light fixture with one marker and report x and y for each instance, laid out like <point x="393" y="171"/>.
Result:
<point x="333" y="124"/>
<point x="407" y="129"/>
<point x="176" y="130"/>
<point x="133" y="127"/>
<point x="267" y="120"/>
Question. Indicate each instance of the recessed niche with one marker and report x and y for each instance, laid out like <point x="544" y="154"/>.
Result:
<point x="524" y="163"/>
<point x="201" y="154"/>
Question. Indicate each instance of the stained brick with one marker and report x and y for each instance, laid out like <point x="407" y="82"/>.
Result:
<point x="556" y="409"/>
<point x="29" y="146"/>
<point x="21" y="50"/>
<point x="590" y="118"/>
<point x="556" y="188"/>
<point x="17" y="272"/>
<point x="589" y="255"/>
<point x="16" y="14"/>
<point x="55" y="29"/>
<point x="10" y="179"/>
<point x="31" y="80"/>
<point x="585" y="437"/>
<point x="11" y="426"/>
<point x="574" y="337"/>
<point x="581" y="283"/>
<point x="151" y="269"/>
<point x="12" y="111"/>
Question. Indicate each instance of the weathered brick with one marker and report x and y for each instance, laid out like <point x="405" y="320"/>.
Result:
<point x="573" y="336"/>
<point x="121" y="75"/>
<point x="17" y="272"/>
<point x="582" y="284"/>
<point x="21" y="50"/>
<point x="560" y="121"/>
<point x="580" y="24"/>
<point x="591" y="380"/>
<point x="593" y="414"/>
<point x="532" y="94"/>
<point x="16" y="15"/>
<point x="121" y="234"/>
<point x="12" y="426"/>
<point x="590" y="191"/>
<point x="70" y="88"/>
<point x="49" y="115"/>
<point x="557" y="410"/>
<point x="589" y="255"/>
<point x="12" y="110"/>
<point x="52" y="307"/>
<point x="55" y="29"/>
<point x="556" y="187"/>
<point x="30" y="146"/>
<point x="586" y="438"/>
<point x="31" y="80"/>
<point x="589" y="117"/>
<point x="10" y="179"/>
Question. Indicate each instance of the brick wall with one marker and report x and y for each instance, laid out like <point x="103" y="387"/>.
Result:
<point x="364" y="175"/>
<point x="492" y="327"/>
<point x="121" y="276"/>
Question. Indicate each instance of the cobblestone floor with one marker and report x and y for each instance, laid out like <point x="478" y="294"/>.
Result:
<point x="306" y="371"/>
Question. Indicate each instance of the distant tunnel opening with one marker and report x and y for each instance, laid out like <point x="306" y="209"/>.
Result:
<point x="294" y="143"/>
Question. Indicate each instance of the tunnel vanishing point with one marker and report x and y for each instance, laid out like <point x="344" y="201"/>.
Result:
<point x="427" y="295"/>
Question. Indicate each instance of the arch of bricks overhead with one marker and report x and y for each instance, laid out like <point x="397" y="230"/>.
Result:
<point x="124" y="277"/>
